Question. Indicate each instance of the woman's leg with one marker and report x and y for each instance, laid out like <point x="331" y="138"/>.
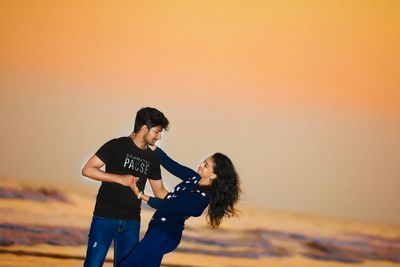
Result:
<point x="150" y="250"/>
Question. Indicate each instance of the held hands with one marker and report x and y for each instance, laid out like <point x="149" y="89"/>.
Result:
<point x="134" y="188"/>
<point x="130" y="180"/>
<point x="127" y="180"/>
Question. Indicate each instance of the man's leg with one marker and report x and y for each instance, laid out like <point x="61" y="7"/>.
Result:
<point x="102" y="232"/>
<point x="126" y="239"/>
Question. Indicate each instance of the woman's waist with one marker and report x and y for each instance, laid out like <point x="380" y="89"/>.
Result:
<point x="173" y="230"/>
<point x="170" y="223"/>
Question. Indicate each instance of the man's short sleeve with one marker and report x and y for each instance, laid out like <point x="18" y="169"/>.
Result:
<point x="155" y="169"/>
<point x="105" y="151"/>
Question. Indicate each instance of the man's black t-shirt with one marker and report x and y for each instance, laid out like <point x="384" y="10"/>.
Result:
<point x="122" y="156"/>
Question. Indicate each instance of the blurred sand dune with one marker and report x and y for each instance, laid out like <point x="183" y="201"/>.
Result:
<point x="47" y="226"/>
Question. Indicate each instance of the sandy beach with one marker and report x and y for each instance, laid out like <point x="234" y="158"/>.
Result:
<point x="47" y="226"/>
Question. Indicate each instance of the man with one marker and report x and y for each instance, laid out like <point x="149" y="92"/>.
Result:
<point x="116" y="216"/>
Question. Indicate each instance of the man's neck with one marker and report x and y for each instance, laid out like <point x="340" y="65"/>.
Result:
<point x="138" y="140"/>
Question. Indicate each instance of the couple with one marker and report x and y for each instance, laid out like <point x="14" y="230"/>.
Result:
<point x="129" y="162"/>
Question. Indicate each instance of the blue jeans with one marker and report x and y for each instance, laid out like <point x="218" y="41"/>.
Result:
<point x="124" y="233"/>
<point x="151" y="249"/>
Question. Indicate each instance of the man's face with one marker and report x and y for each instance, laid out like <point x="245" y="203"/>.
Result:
<point x="153" y="135"/>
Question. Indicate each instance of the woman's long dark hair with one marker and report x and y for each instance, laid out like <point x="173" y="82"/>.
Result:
<point x="224" y="190"/>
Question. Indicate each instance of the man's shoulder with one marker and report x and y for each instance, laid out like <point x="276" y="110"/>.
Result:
<point x="118" y="140"/>
<point x="121" y="139"/>
<point x="115" y="143"/>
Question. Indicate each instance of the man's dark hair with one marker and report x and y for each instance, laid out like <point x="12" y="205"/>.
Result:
<point x="150" y="117"/>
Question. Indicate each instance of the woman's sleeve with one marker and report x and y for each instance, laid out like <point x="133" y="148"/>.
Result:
<point x="193" y="205"/>
<point x="174" y="167"/>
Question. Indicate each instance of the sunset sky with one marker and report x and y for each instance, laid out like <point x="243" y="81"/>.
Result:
<point x="304" y="96"/>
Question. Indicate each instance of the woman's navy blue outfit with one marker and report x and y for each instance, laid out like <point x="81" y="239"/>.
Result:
<point x="166" y="225"/>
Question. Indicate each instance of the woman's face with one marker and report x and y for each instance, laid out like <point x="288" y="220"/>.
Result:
<point x="206" y="168"/>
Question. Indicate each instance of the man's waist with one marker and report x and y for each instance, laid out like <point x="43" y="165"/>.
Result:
<point x="115" y="211"/>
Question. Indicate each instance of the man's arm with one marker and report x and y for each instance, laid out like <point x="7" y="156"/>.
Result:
<point x="92" y="169"/>
<point x="158" y="188"/>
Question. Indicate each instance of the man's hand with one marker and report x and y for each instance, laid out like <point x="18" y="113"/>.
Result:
<point x="127" y="180"/>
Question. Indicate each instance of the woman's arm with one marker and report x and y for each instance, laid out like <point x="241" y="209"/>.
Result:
<point x="192" y="205"/>
<point x="174" y="167"/>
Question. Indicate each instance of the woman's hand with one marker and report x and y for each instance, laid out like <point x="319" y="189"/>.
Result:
<point x="134" y="187"/>
<point x="139" y="195"/>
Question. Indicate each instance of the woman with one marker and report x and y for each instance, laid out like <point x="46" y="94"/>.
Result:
<point x="216" y="184"/>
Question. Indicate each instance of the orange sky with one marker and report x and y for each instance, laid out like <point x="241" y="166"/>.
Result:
<point x="313" y="85"/>
<point x="342" y="53"/>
